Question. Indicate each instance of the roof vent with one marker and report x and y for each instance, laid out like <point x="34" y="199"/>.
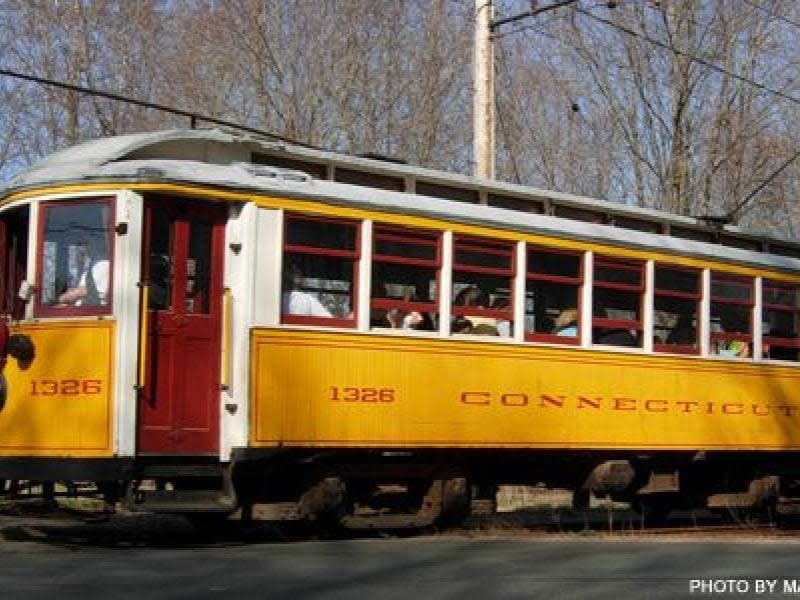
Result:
<point x="273" y="172"/>
<point x="150" y="173"/>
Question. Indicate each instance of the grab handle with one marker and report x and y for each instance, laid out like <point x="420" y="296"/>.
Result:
<point x="143" y="308"/>
<point x="227" y="307"/>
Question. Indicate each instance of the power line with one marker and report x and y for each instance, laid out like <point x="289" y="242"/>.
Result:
<point x="767" y="180"/>
<point x="539" y="26"/>
<point x="707" y="26"/>
<point x="536" y="26"/>
<point x="690" y="56"/>
<point x="192" y="116"/>
<point x="741" y="204"/>
<point x="530" y="13"/>
<point x="772" y="13"/>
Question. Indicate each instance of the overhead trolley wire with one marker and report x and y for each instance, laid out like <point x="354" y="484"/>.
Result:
<point x="689" y="55"/>
<point x="192" y="116"/>
<point x="714" y="67"/>
<point x="773" y="14"/>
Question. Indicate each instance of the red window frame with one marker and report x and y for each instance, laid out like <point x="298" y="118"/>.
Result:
<point x="781" y="342"/>
<point x="354" y="255"/>
<point x="488" y="246"/>
<point x="624" y="265"/>
<point x="44" y="310"/>
<point x="561" y="279"/>
<point x="696" y="296"/>
<point x="739" y="281"/>
<point x="408" y="236"/>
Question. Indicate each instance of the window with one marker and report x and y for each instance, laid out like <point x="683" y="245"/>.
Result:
<point x="676" y="309"/>
<point x="425" y="188"/>
<point x="731" y="315"/>
<point x="521" y="204"/>
<point x="320" y="259"/>
<point x="405" y="278"/>
<point x="617" y="297"/>
<point x="779" y="317"/>
<point x="483" y="273"/>
<point x="367" y="179"/>
<point x="13" y="260"/>
<point x="316" y="170"/>
<point x="75" y="258"/>
<point x="552" y="296"/>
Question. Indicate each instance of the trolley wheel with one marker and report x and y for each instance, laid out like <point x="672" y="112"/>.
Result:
<point x="456" y="502"/>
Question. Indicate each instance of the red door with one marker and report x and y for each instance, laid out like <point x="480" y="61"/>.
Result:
<point x="183" y="258"/>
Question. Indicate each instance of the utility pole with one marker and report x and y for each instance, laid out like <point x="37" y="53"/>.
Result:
<point x="483" y="87"/>
<point x="483" y="77"/>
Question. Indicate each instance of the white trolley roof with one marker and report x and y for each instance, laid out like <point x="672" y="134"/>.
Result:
<point x="219" y="159"/>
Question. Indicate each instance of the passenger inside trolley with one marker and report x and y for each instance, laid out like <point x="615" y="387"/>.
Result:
<point x="396" y="318"/>
<point x="474" y="297"/>
<point x="93" y="268"/>
<point x="504" y="328"/>
<point x="76" y="258"/>
<point x="684" y="333"/>
<point x="566" y="324"/>
<point x="295" y="300"/>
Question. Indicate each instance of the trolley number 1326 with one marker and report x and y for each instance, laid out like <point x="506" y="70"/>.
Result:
<point x="66" y="387"/>
<point x="361" y="394"/>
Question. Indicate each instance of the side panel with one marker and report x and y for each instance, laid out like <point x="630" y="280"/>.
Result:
<point x="62" y="404"/>
<point x="340" y="389"/>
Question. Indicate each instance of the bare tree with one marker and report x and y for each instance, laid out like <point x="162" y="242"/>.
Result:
<point x="623" y="104"/>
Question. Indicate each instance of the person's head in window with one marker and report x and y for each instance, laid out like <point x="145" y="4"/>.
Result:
<point x="684" y="332"/>
<point x="94" y="272"/>
<point x="566" y="323"/>
<point x="462" y="325"/>
<point x="472" y="295"/>
<point x="297" y="302"/>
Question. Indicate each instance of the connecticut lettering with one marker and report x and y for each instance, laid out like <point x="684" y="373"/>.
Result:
<point x="627" y="404"/>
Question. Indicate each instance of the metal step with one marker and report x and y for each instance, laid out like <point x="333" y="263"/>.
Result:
<point x="180" y="501"/>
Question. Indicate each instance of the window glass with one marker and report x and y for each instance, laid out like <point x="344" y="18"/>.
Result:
<point x="482" y="255"/>
<point x="75" y="253"/>
<point x="320" y="233"/>
<point x="13" y="260"/>
<point x="617" y="296"/>
<point x="405" y="276"/>
<point x="198" y="268"/>
<point x="550" y="262"/>
<point x="483" y="273"/>
<point x="160" y="269"/>
<point x="675" y="279"/>
<point x="731" y="315"/>
<point x="320" y="260"/>
<point x="779" y="321"/>
<point x="552" y="295"/>
<point x="676" y="308"/>
<point x="618" y="272"/>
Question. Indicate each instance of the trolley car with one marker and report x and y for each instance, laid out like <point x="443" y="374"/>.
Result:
<point x="225" y="325"/>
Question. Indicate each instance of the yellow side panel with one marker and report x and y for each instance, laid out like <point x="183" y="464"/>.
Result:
<point x="335" y="389"/>
<point x="61" y="405"/>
